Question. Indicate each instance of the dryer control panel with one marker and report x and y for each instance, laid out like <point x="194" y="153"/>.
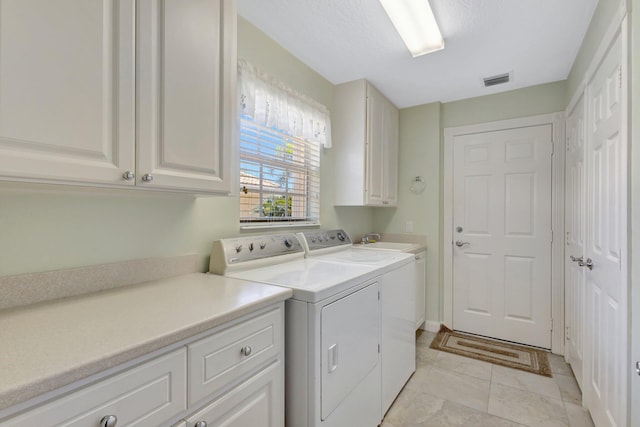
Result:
<point x="253" y="251"/>
<point x="322" y="239"/>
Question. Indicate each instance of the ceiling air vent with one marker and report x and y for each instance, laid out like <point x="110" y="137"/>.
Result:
<point x="496" y="80"/>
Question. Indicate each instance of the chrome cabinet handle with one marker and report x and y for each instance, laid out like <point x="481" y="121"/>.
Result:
<point x="147" y="177"/>
<point x="245" y="351"/>
<point x="109" y="421"/>
<point x="200" y="424"/>
<point x="588" y="263"/>
<point x="128" y="175"/>
<point x="638" y="367"/>
<point x="460" y="243"/>
<point x="574" y="259"/>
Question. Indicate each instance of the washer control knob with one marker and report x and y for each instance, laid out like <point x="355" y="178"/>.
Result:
<point x="341" y="236"/>
<point x="238" y="249"/>
<point x="288" y="243"/>
<point x="263" y="245"/>
<point x="251" y="247"/>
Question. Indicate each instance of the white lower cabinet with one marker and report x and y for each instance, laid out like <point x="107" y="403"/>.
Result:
<point x="233" y="377"/>
<point x="398" y="348"/>
<point x="146" y="395"/>
<point x="255" y="402"/>
<point x="421" y="288"/>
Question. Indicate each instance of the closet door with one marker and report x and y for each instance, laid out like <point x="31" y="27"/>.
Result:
<point x="575" y="229"/>
<point x="67" y="90"/>
<point x="606" y="240"/>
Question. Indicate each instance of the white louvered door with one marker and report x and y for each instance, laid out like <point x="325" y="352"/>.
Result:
<point x="502" y="219"/>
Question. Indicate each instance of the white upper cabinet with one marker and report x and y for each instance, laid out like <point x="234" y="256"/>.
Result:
<point x="118" y="93"/>
<point x="67" y="102"/>
<point x="365" y="140"/>
<point x="186" y="81"/>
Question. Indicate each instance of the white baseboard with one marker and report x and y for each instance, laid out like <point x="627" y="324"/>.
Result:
<point x="431" y="326"/>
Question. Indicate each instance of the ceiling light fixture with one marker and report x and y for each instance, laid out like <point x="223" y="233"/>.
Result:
<point x="417" y="25"/>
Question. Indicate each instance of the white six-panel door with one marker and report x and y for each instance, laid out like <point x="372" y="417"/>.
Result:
<point x="502" y="220"/>
<point x="606" y="240"/>
<point x="575" y="231"/>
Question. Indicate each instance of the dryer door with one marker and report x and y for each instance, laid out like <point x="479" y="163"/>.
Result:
<point x="350" y="331"/>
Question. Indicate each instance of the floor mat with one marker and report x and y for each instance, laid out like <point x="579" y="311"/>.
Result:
<point x="497" y="352"/>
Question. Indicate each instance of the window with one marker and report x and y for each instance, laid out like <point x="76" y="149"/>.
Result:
<point x="281" y="136"/>
<point x="279" y="175"/>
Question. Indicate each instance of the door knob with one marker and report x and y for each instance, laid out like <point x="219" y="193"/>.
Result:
<point x="460" y="243"/>
<point x="575" y="259"/>
<point x="588" y="263"/>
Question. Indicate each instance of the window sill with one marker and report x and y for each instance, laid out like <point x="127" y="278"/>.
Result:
<point x="278" y="225"/>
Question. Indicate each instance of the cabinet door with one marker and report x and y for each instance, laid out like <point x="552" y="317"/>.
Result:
<point x="258" y="402"/>
<point x="421" y="273"/>
<point x="398" y="345"/>
<point x="374" y="170"/>
<point x="147" y="395"/>
<point x="390" y="155"/>
<point x="186" y="94"/>
<point x="66" y="90"/>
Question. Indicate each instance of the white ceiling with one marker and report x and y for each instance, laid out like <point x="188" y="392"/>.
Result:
<point x="344" y="40"/>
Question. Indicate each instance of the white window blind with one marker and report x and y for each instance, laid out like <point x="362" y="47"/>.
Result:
<point x="281" y="133"/>
<point x="279" y="175"/>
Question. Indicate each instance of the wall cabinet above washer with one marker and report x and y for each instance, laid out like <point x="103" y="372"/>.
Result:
<point x="365" y="145"/>
<point x="118" y="93"/>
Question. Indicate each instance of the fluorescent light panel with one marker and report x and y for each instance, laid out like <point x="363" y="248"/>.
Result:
<point x="416" y="24"/>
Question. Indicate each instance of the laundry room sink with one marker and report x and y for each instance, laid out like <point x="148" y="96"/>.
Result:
<point x="390" y="246"/>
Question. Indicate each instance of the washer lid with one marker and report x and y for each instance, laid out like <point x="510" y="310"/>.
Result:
<point x="311" y="280"/>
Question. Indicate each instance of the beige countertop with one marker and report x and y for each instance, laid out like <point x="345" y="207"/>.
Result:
<point x="51" y="344"/>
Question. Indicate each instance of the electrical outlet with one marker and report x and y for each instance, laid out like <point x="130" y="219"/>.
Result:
<point x="408" y="226"/>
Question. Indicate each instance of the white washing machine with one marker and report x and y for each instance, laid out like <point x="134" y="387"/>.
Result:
<point x="397" y="289"/>
<point x="332" y="328"/>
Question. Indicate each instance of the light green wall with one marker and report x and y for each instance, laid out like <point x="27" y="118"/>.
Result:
<point x="257" y="48"/>
<point x="419" y="155"/>
<point x="42" y="229"/>
<point x="600" y="22"/>
<point x="529" y="101"/>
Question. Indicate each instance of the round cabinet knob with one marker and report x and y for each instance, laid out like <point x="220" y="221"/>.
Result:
<point x="128" y="175"/>
<point x="245" y="351"/>
<point x="200" y="424"/>
<point x="147" y="177"/>
<point x="109" y="421"/>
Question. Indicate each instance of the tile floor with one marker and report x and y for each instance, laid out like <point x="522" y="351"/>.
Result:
<point x="450" y="390"/>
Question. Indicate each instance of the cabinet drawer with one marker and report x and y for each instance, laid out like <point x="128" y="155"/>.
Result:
<point x="218" y="360"/>
<point x="257" y="402"/>
<point x="149" y="394"/>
